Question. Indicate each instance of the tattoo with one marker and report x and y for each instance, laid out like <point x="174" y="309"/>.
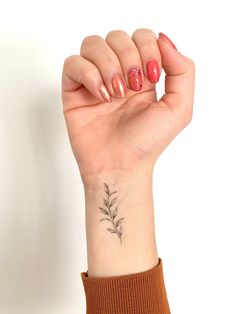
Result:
<point x="111" y="212"/>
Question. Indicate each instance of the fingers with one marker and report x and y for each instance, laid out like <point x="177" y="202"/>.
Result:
<point x="79" y="71"/>
<point x="120" y="59"/>
<point x="129" y="58"/>
<point x="146" y="42"/>
<point x="179" y="81"/>
<point x="96" y="50"/>
<point x="108" y="67"/>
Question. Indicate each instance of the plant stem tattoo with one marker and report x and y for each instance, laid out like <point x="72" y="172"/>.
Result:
<point x="111" y="212"/>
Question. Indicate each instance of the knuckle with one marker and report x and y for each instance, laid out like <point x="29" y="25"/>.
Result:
<point x="142" y="31"/>
<point x="90" y="39"/>
<point x="69" y="60"/>
<point x="115" y="33"/>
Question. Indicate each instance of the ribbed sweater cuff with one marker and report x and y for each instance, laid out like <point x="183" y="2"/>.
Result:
<point x="140" y="293"/>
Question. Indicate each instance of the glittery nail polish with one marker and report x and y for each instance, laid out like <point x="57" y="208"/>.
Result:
<point x="153" y="71"/>
<point x="104" y="93"/>
<point x="119" y="86"/>
<point x="167" y="40"/>
<point x="135" y="78"/>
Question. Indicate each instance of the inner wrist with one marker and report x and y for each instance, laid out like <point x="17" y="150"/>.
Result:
<point x="121" y="177"/>
<point x="120" y="220"/>
<point x="134" y="189"/>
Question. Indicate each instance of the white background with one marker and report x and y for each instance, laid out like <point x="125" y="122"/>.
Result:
<point x="42" y="233"/>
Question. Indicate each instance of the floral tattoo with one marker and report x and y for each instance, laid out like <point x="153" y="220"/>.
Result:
<point x="111" y="211"/>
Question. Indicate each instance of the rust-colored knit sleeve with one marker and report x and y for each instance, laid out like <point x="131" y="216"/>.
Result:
<point x="140" y="293"/>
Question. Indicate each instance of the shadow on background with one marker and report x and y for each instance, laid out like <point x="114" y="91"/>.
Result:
<point x="44" y="237"/>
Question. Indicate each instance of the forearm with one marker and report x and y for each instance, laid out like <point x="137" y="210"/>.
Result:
<point x="114" y="119"/>
<point x="117" y="246"/>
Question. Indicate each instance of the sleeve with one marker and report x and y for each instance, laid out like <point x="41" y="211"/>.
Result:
<point x="142" y="293"/>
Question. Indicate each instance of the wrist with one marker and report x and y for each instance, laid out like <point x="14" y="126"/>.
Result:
<point x="121" y="176"/>
<point x="120" y="222"/>
<point x="134" y="186"/>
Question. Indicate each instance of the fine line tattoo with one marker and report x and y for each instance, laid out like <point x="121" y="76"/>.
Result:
<point x="111" y="212"/>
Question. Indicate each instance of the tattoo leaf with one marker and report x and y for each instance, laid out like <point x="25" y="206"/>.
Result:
<point x="111" y="230"/>
<point x="115" y="212"/>
<point x="112" y="193"/>
<point x="106" y="188"/>
<point x="105" y="219"/>
<point x="110" y="213"/>
<point x="119" y="221"/>
<point x="105" y="202"/>
<point x="104" y="211"/>
<point x="113" y="201"/>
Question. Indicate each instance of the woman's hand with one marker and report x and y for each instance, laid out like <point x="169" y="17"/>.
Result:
<point x="114" y="119"/>
<point x="117" y="130"/>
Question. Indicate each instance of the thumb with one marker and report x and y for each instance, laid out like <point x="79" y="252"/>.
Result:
<point x="179" y="80"/>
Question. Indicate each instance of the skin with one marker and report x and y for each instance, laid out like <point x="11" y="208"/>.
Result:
<point x="118" y="142"/>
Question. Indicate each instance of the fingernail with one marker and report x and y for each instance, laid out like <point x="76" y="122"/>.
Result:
<point x="135" y="78"/>
<point x="104" y="93"/>
<point x="167" y="40"/>
<point x="153" y="71"/>
<point x="118" y="85"/>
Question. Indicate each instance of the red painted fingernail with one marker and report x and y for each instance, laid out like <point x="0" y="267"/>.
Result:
<point x="153" y="71"/>
<point x="167" y="40"/>
<point x="135" y="78"/>
<point x="104" y="93"/>
<point x="119" y="86"/>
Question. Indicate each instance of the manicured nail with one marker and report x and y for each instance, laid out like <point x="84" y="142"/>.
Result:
<point x="135" y="78"/>
<point x="104" y="93"/>
<point x="118" y="85"/>
<point x="167" y="40"/>
<point x="153" y="71"/>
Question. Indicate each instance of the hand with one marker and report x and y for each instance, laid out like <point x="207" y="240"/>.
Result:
<point x="113" y="117"/>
